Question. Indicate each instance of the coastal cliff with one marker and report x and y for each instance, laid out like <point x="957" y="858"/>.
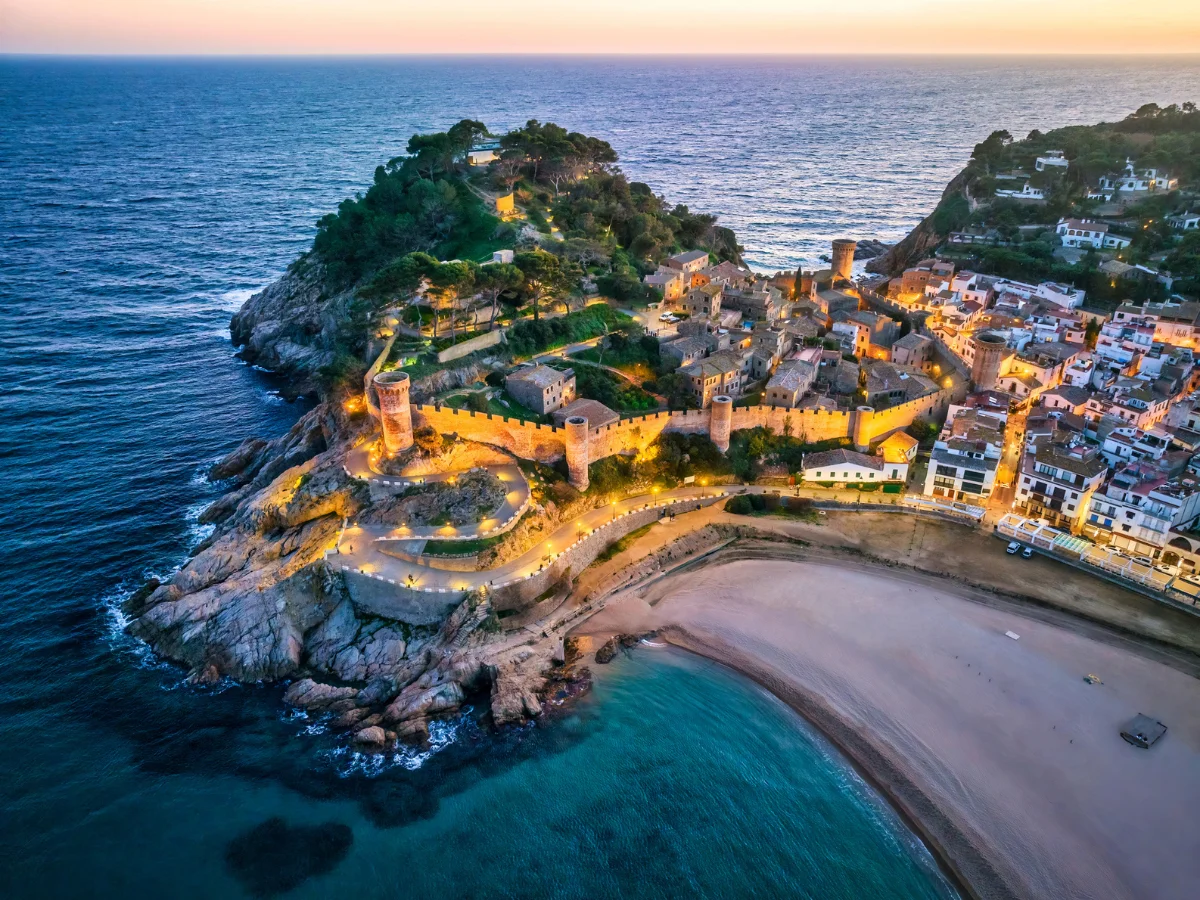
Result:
<point x="295" y="326"/>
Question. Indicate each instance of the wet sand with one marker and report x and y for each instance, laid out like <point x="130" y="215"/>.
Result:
<point x="1005" y="760"/>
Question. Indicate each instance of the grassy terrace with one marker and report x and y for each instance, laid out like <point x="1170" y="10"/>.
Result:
<point x="528" y="338"/>
<point x="612" y="390"/>
<point x="508" y="407"/>
<point x="637" y="357"/>
<point x="460" y="548"/>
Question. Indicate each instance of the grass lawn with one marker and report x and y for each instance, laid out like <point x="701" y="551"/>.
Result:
<point x="497" y="407"/>
<point x="460" y="548"/>
<point x="631" y="358"/>
<point x="611" y="390"/>
<point x="621" y="543"/>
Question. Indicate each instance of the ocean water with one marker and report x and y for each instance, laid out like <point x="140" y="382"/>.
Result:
<point x="141" y="202"/>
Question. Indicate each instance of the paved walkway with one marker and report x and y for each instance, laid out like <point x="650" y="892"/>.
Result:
<point x="358" y="548"/>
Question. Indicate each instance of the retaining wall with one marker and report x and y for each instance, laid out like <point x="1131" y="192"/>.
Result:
<point x="479" y="342"/>
<point x="518" y="595"/>
<point x="382" y="598"/>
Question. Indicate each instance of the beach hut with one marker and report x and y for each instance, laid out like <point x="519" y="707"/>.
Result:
<point x="1142" y="731"/>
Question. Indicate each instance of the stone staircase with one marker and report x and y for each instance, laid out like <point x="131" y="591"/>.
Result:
<point x="482" y="611"/>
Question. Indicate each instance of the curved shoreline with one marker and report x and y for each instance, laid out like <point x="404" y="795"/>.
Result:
<point x="972" y="849"/>
<point x="966" y="870"/>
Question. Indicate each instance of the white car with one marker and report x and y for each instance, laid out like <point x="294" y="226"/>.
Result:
<point x="1013" y="548"/>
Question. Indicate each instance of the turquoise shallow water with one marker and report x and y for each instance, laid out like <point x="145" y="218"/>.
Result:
<point x="674" y="778"/>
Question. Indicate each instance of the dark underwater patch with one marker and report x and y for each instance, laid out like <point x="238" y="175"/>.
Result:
<point x="274" y="857"/>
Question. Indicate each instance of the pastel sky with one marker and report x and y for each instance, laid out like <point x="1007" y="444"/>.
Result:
<point x="599" y="26"/>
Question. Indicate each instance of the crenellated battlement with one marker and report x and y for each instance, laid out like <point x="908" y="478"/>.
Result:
<point x="546" y="443"/>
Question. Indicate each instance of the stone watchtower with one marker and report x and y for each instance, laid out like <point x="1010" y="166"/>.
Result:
<point x="990" y="350"/>
<point x="843" y="258"/>
<point x="577" y="451"/>
<point x="720" y="421"/>
<point x="395" y="414"/>
<point x="862" y="428"/>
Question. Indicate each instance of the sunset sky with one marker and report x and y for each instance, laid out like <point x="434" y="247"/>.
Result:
<point x="598" y="26"/>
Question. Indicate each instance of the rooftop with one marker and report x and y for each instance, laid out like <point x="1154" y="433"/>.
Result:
<point x="596" y="413"/>
<point x="827" y="458"/>
<point x="541" y="376"/>
<point x="911" y="341"/>
<point x="792" y="375"/>
<point x="690" y="256"/>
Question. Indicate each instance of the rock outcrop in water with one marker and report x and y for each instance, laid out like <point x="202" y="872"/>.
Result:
<point x="257" y="602"/>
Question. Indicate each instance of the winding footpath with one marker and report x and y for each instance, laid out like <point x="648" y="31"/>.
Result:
<point x="361" y="548"/>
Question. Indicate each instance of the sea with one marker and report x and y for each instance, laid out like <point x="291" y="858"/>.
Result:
<point x="141" y="202"/>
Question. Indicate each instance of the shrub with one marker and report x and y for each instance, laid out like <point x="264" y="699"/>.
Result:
<point x="427" y="439"/>
<point x="739" y="505"/>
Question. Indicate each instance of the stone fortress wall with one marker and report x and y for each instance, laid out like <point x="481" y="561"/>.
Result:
<point x="547" y="444"/>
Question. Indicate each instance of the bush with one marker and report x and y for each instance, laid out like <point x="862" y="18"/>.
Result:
<point x="529" y="337"/>
<point x="427" y="439"/>
<point x="739" y="505"/>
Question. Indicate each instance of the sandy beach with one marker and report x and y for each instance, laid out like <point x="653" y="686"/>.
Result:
<point x="1006" y="761"/>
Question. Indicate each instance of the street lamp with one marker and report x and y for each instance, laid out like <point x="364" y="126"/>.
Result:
<point x="614" y="510"/>
<point x="654" y="494"/>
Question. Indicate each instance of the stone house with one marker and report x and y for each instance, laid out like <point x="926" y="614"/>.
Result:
<point x="791" y="381"/>
<point x="703" y="301"/>
<point x="541" y="388"/>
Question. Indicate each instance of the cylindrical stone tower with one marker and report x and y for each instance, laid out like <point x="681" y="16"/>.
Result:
<point x="720" y="421"/>
<point x="395" y="415"/>
<point x="989" y="354"/>
<point x="577" y="451"/>
<point x="843" y="258"/>
<point x="862" y="428"/>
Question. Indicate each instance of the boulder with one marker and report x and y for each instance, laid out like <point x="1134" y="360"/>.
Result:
<point x="414" y="702"/>
<point x="309" y="694"/>
<point x="371" y="737"/>
<point x="513" y="696"/>
<point x="237" y="462"/>
<point x="413" y="731"/>
<point x="351" y="717"/>
<point x="607" y="651"/>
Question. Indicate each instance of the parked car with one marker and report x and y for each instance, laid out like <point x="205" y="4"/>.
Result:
<point x="1027" y="553"/>
<point x="1013" y="547"/>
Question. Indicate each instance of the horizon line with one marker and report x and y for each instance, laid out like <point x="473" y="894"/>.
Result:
<point x="834" y="54"/>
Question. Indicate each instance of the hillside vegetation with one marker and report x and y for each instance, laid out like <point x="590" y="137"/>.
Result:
<point x="1166" y="139"/>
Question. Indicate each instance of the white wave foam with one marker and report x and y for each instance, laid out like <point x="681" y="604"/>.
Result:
<point x="233" y="300"/>
<point x="200" y="477"/>
<point x="347" y="761"/>
<point x="196" y="531"/>
<point x="119" y="641"/>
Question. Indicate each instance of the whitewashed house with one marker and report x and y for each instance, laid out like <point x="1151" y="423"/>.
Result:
<point x="1081" y="233"/>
